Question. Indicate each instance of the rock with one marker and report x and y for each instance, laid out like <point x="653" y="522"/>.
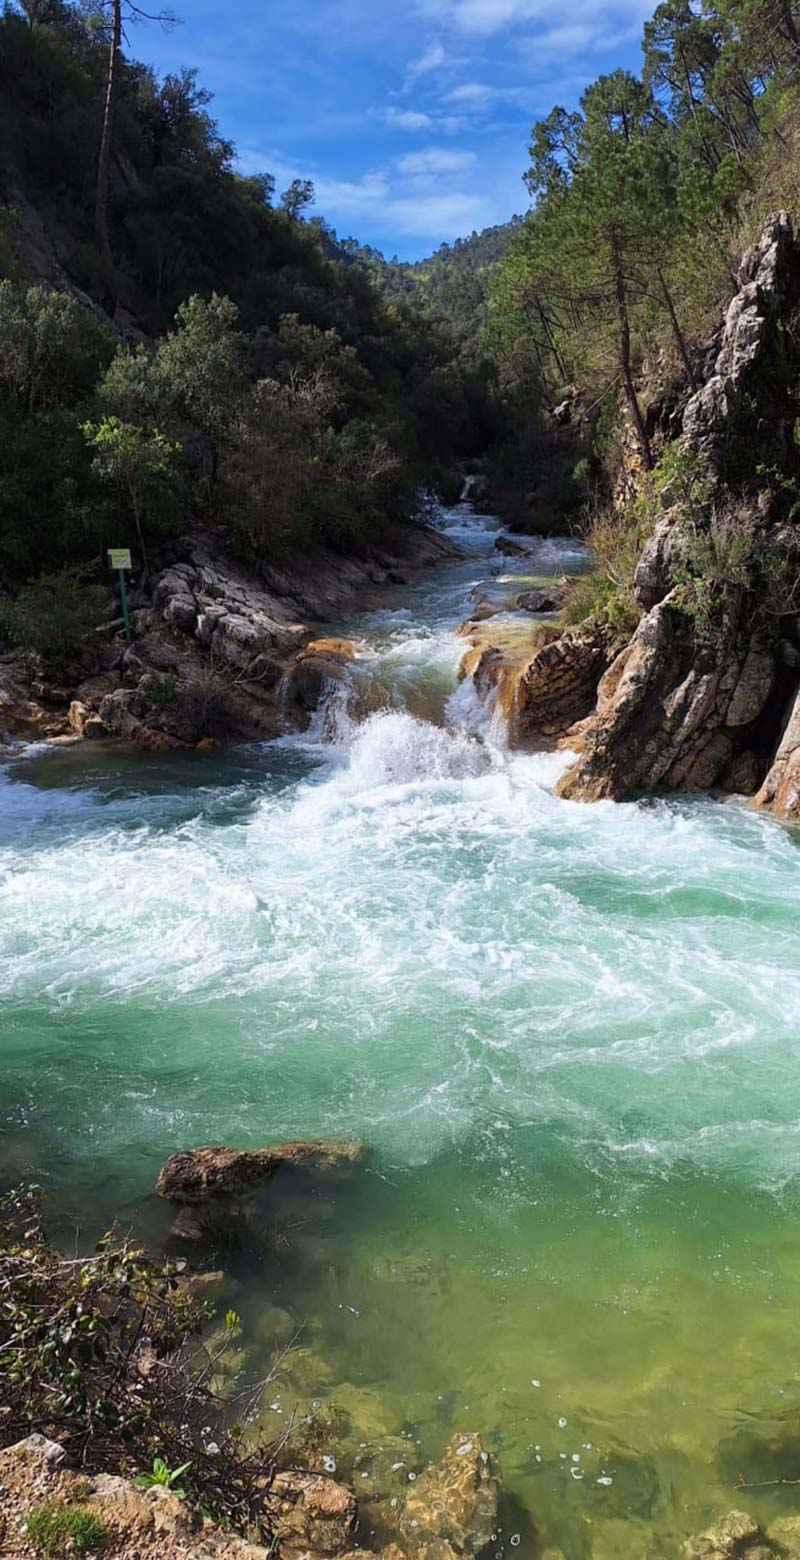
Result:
<point x="730" y="1539"/>
<point x="764" y="282"/>
<point x="509" y="548"/>
<point x="550" y="600"/>
<point x="658" y="710"/>
<point x="781" y="788"/>
<point x="34" y="1448"/>
<point x="143" y="1512"/>
<point x="661" y="556"/>
<point x="743" y="775"/>
<point x="784" y="1535"/>
<point x="753" y="688"/>
<point x="340" y="649"/>
<point x="200" y="1174"/>
<point x="559" y="685"/>
<point x="315" y="1517"/>
<point x="454" y="1501"/>
<point x="312" y="678"/>
<point x="77" y="716"/>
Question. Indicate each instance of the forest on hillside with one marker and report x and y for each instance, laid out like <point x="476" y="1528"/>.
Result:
<point x="241" y="367"/>
<point x="177" y="342"/>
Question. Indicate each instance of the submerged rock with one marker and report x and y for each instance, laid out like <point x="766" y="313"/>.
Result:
<point x="199" y="1175"/>
<point x="736" y="1537"/>
<point x="454" y="1502"/>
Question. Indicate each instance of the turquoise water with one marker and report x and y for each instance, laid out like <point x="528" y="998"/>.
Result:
<point x="568" y="1035"/>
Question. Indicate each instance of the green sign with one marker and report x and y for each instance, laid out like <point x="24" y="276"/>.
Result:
<point x="119" y="558"/>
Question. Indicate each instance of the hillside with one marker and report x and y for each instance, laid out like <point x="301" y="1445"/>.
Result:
<point x="453" y="282"/>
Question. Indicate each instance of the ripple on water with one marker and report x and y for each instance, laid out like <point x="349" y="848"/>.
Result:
<point x="569" y="1033"/>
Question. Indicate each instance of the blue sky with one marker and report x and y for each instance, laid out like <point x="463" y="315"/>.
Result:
<point x="411" y="118"/>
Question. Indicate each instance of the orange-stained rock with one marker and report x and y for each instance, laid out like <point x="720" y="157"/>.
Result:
<point x="344" y="649"/>
<point x="315" y="1516"/>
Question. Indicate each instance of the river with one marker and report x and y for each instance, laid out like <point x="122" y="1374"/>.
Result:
<point x="568" y="1035"/>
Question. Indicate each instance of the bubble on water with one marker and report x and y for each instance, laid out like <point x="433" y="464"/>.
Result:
<point x="515" y="1539"/>
<point x="411" y="1478"/>
<point x="576" y="1456"/>
<point x="562" y="1423"/>
<point x="605" y="1478"/>
<point x="329" y="1464"/>
<point x="535" y="1381"/>
<point x="576" y="1473"/>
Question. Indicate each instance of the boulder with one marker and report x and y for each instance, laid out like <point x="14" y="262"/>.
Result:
<point x="559" y="685"/>
<point x="454" y="1502"/>
<point x="511" y="549"/>
<point x="314" y="1517"/>
<point x="312" y="677"/>
<point x="340" y="649"/>
<point x="551" y="599"/>
<point x="736" y="1537"/>
<point x="201" y="1174"/>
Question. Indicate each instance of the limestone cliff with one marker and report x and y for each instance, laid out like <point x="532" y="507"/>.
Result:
<point x="705" y="693"/>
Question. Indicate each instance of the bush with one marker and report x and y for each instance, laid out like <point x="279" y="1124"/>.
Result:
<point x="53" y="617"/>
<point x="52" y="349"/>
<point x="101" y="1352"/>
<point x="60" y="1532"/>
<point x="51" y="505"/>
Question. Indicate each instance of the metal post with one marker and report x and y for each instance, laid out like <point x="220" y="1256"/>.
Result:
<point x="123" y="590"/>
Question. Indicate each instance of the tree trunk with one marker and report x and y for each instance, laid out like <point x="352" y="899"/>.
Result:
<point x="104" y="160"/>
<point x="625" y="358"/>
<point x="676" y="329"/>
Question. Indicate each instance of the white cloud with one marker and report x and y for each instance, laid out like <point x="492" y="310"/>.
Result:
<point x="473" y="94"/>
<point x="432" y="59"/>
<point x="436" y="162"/>
<point x="407" y="119"/>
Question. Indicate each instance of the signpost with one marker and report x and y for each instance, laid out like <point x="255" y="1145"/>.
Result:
<point x="119" y="558"/>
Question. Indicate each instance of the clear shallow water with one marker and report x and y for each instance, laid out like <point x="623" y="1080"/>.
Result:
<point x="569" y="1036"/>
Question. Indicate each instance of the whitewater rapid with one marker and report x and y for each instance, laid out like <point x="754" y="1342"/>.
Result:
<point x="400" y="932"/>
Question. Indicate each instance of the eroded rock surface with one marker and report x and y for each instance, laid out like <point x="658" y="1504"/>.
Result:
<point x="453" y="1503"/>
<point x="315" y="1518"/>
<point x="736" y="1537"/>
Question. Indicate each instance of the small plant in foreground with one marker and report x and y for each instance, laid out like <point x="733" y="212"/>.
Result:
<point x="163" y="1478"/>
<point x="57" y="1530"/>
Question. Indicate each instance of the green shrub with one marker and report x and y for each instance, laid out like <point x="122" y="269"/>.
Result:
<point x="162" y="689"/>
<point x="79" y="1339"/>
<point x="59" y="1531"/>
<point x="54" y="616"/>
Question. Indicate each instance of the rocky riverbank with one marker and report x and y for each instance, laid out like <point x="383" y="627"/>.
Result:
<point x="705" y="694"/>
<point x="219" y="653"/>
